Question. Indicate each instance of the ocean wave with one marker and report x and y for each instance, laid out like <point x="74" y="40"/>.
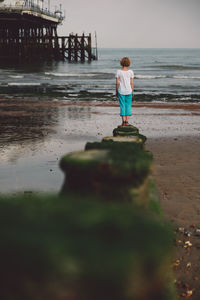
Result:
<point x="16" y="76"/>
<point x="99" y="75"/>
<point x="150" y="76"/>
<point x="177" y="67"/>
<point x="186" y="77"/>
<point x="95" y="94"/>
<point x="70" y="74"/>
<point x="165" y="76"/>
<point x="24" y="84"/>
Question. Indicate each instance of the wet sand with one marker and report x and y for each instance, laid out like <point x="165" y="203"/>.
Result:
<point x="177" y="175"/>
<point x="34" y="136"/>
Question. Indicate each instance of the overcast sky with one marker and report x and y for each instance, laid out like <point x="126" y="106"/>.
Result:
<point x="134" y="23"/>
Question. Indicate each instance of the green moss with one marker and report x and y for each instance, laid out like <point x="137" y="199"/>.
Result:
<point x="125" y="131"/>
<point x="115" y="146"/>
<point x="123" y="167"/>
<point x="129" y="128"/>
<point x="122" y="139"/>
<point x="50" y="244"/>
<point x="154" y="198"/>
<point x="142" y="137"/>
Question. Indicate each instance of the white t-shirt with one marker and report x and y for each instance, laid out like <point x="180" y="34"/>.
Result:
<point x="124" y="81"/>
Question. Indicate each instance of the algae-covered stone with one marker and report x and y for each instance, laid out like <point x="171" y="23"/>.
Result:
<point x="83" y="168"/>
<point x="130" y="139"/>
<point x="125" y="131"/>
<point x="135" y="138"/>
<point x="128" y="128"/>
<point x="109" y="168"/>
<point x="82" y="249"/>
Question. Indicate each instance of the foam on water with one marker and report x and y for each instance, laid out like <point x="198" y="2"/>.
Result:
<point x="16" y="76"/>
<point x="69" y="74"/>
<point x="187" y="77"/>
<point x="24" y="84"/>
<point x="149" y="76"/>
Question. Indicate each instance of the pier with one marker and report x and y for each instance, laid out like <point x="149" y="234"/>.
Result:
<point x="28" y="31"/>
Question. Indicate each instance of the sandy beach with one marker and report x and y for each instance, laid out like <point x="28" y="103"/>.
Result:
<point x="35" y="135"/>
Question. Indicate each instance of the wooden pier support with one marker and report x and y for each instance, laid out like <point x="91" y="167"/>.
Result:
<point x="43" y="43"/>
<point x="28" y="31"/>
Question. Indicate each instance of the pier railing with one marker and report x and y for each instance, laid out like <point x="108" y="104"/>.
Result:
<point x="32" y="9"/>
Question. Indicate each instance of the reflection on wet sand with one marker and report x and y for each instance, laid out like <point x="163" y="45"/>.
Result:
<point x="34" y="134"/>
<point x="25" y="120"/>
<point x="78" y="112"/>
<point x="25" y="124"/>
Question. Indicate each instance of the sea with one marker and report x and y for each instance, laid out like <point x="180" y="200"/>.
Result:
<point x="161" y="75"/>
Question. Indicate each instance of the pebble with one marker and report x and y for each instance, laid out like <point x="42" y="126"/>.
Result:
<point x="188" y="233"/>
<point x="188" y="244"/>
<point x="197" y="232"/>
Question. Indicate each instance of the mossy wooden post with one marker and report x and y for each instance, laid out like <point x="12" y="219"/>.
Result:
<point x="117" y="172"/>
<point x="138" y="139"/>
<point x="128" y="132"/>
<point x="125" y="130"/>
<point x="86" y="249"/>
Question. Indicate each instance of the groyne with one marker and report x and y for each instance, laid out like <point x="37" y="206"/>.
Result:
<point x="103" y="237"/>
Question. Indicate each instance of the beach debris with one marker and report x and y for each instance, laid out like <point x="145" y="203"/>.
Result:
<point x="188" y="233"/>
<point x="176" y="263"/>
<point x="179" y="242"/>
<point x="181" y="229"/>
<point x="188" y="265"/>
<point x="187" y="294"/>
<point x="197" y="232"/>
<point x="193" y="226"/>
<point x="188" y="244"/>
<point x="196" y="278"/>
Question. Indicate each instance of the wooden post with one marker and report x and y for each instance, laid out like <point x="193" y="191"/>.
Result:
<point x="69" y="49"/>
<point x="76" y="48"/>
<point x="63" y="48"/>
<point x="89" y="47"/>
<point x="83" y="48"/>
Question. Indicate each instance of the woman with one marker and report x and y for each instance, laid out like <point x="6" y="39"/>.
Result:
<point x="125" y="89"/>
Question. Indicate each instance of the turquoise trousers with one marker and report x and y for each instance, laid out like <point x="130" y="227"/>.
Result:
<point x="125" y="102"/>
